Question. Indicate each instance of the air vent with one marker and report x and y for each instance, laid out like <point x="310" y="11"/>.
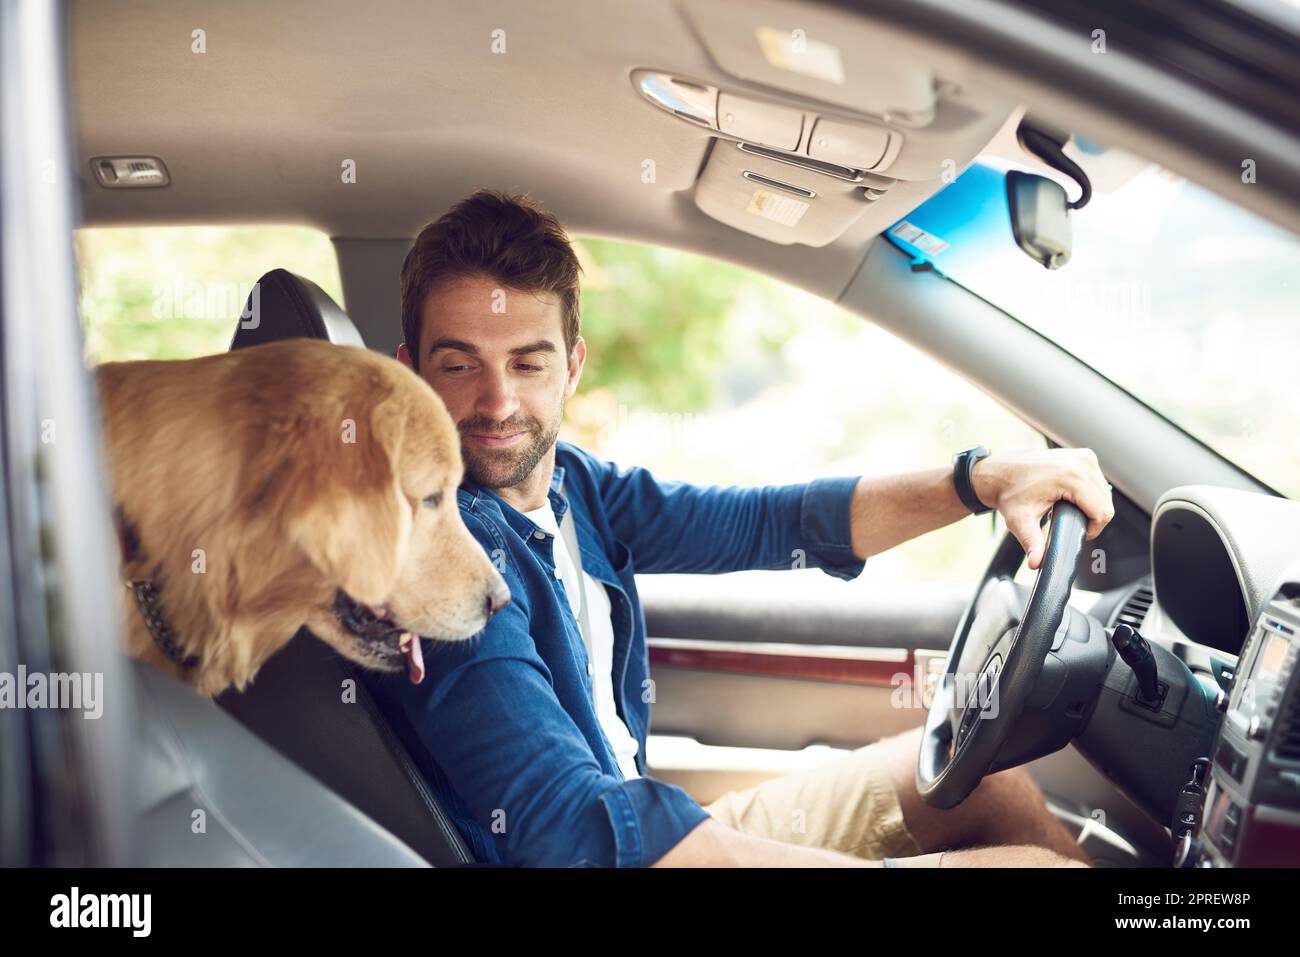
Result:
<point x="1287" y="746"/>
<point x="1135" y="609"/>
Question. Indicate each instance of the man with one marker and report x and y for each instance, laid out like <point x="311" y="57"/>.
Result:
<point x="537" y="746"/>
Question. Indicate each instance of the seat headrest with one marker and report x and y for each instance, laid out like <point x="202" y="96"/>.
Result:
<point x="285" y="306"/>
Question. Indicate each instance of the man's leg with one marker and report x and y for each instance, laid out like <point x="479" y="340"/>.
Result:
<point x="1006" y="808"/>
<point x="848" y="804"/>
<point x="865" y="803"/>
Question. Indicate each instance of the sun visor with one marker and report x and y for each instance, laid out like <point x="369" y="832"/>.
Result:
<point x="804" y="49"/>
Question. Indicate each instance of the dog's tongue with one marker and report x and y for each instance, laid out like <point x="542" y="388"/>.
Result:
<point x="414" y="658"/>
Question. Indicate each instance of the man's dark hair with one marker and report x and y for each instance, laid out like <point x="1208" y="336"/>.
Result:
<point x="510" y="239"/>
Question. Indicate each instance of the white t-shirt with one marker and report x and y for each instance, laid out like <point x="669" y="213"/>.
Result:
<point x="600" y="621"/>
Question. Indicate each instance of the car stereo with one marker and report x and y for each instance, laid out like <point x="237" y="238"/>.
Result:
<point x="1252" y="816"/>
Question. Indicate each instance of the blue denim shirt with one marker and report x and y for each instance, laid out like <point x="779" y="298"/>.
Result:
<point x="503" y="726"/>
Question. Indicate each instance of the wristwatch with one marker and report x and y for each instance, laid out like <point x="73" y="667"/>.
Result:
<point x="962" y="464"/>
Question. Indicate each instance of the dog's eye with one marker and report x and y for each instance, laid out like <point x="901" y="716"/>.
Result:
<point x="433" y="501"/>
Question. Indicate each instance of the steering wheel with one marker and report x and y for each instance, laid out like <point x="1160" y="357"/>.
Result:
<point x="996" y="656"/>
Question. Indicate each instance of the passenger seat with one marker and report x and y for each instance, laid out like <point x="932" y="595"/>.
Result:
<point x="213" y="795"/>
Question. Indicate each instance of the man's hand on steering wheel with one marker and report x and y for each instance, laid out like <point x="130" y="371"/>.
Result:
<point x="1024" y="485"/>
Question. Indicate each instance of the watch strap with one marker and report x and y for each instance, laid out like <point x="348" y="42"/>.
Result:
<point x="963" y="464"/>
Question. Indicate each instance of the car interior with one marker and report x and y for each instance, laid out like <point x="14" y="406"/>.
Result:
<point x="790" y="138"/>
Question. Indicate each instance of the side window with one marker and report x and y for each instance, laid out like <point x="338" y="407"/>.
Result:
<point x="709" y="373"/>
<point x="176" y="292"/>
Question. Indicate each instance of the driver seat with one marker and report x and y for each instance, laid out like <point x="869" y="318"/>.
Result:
<point x="308" y="702"/>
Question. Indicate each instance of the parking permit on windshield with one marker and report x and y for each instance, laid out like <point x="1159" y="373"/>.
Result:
<point x="778" y="208"/>
<point x="927" y="243"/>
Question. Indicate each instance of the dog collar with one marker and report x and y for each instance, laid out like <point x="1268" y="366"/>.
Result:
<point x="147" y="595"/>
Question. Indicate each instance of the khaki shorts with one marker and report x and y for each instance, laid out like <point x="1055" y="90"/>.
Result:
<point x="848" y="805"/>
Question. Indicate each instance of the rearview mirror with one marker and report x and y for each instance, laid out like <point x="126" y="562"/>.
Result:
<point x="1040" y="218"/>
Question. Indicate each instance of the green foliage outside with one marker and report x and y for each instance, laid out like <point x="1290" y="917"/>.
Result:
<point x="656" y="323"/>
<point x="174" y="293"/>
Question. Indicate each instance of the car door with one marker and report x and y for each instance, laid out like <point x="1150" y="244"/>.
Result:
<point x="760" y="673"/>
<point x="65" y="760"/>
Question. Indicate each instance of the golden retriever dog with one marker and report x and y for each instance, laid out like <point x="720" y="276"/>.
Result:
<point x="289" y="484"/>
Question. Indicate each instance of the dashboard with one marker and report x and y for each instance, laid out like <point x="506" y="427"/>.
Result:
<point x="1226" y="569"/>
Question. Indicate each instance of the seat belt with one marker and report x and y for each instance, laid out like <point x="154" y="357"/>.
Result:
<point x="569" y="531"/>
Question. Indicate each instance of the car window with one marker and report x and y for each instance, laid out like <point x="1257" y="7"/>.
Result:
<point x="176" y="292"/>
<point x="1179" y="295"/>
<point x="698" y="370"/>
<point x="709" y="373"/>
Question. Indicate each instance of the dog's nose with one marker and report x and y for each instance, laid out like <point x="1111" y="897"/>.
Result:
<point x="497" y="598"/>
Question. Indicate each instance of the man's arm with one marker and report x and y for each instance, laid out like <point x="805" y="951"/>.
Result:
<point x="674" y="526"/>
<point x="489" y="718"/>
<point x="497" y="732"/>
<point x="892" y="509"/>
<point x="836" y="523"/>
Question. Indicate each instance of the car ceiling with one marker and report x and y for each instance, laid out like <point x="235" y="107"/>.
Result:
<point x="256" y="128"/>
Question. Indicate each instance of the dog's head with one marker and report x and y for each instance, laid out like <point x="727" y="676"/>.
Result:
<point x="355" y="475"/>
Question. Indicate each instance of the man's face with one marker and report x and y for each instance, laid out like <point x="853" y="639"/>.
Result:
<point x="496" y="358"/>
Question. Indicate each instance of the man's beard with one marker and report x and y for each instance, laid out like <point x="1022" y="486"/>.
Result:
<point x="509" y="466"/>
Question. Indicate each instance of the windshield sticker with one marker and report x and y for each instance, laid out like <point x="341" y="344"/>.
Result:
<point x="927" y="243"/>
<point x="778" y="208"/>
<point x="792" y="50"/>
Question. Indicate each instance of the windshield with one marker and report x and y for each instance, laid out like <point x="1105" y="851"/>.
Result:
<point x="1176" y="294"/>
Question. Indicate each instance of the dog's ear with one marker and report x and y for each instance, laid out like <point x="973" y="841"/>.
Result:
<point x="344" y="506"/>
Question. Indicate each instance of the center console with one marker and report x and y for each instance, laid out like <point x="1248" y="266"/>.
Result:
<point x="1252" y="803"/>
